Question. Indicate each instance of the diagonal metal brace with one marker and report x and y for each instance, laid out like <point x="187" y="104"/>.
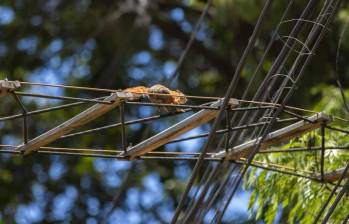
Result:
<point x="333" y="176"/>
<point x="280" y="135"/>
<point x="79" y="120"/>
<point x="160" y="139"/>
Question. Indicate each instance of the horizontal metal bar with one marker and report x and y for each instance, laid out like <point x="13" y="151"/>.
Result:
<point x="64" y="98"/>
<point x="151" y="156"/>
<point x="45" y="110"/>
<point x="337" y="129"/>
<point x="137" y="121"/>
<point x="299" y="116"/>
<point x="281" y="171"/>
<point x="304" y="149"/>
<point x="11" y="149"/>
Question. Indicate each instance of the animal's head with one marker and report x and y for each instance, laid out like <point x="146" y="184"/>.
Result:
<point x="179" y="98"/>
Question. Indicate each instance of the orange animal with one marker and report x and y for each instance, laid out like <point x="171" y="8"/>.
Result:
<point x="173" y="97"/>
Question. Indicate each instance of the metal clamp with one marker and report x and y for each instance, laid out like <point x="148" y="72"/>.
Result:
<point x="7" y="86"/>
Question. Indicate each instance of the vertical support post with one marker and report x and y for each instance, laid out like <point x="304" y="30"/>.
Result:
<point x="25" y="127"/>
<point x="123" y="131"/>
<point x="322" y="161"/>
<point x="25" y="117"/>
<point x="228" y="126"/>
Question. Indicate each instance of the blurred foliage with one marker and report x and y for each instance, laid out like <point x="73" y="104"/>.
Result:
<point x="117" y="44"/>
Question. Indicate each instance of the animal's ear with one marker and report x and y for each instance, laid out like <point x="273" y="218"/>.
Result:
<point x="178" y="91"/>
